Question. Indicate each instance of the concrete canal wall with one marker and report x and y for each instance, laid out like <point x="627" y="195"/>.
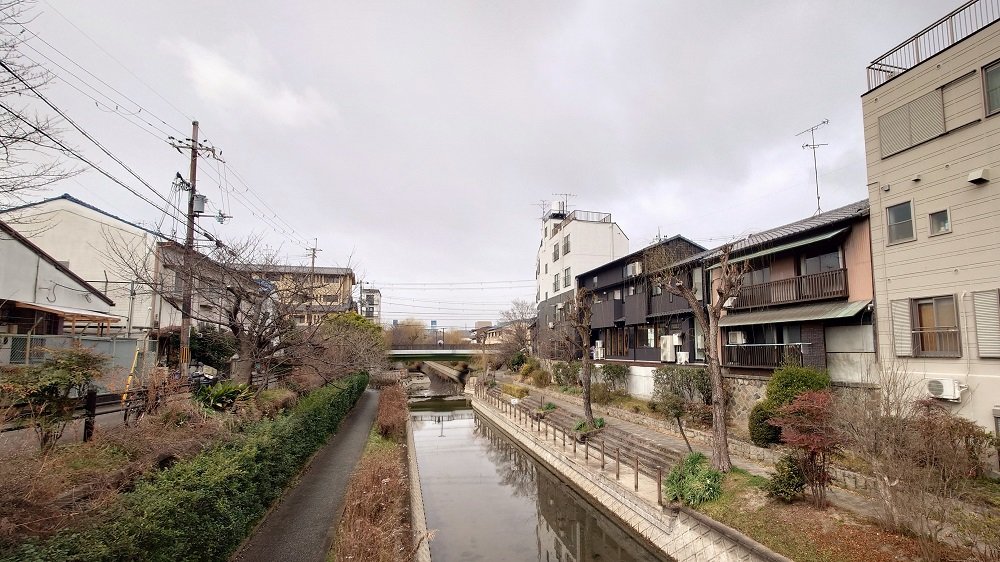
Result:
<point x="418" y="519"/>
<point x="679" y="532"/>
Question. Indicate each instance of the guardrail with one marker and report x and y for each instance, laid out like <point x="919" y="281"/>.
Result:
<point x="763" y="355"/>
<point x="938" y="36"/>
<point x="937" y="342"/>
<point x="801" y="288"/>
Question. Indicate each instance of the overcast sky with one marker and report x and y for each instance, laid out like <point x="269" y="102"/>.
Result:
<point x="415" y="139"/>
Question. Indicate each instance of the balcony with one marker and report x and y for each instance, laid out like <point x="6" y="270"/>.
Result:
<point x="636" y="309"/>
<point x="604" y="314"/>
<point x="936" y="342"/>
<point x="804" y="288"/>
<point x="667" y="304"/>
<point x="762" y="355"/>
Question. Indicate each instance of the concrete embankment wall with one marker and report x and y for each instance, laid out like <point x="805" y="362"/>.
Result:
<point x="418" y="520"/>
<point x="681" y="533"/>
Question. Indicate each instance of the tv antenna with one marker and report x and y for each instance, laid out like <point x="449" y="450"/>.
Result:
<point x="813" y="146"/>
<point x="564" y="204"/>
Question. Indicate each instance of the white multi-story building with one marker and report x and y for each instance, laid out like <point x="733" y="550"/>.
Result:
<point x="932" y="141"/>
<point x="370" y="305"/>
<point x="571" y="242"/>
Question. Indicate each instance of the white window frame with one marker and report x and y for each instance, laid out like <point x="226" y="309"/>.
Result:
<point x="930" y="232"/>
<point x="995" y="65"/>
<point x="913" y="225"/>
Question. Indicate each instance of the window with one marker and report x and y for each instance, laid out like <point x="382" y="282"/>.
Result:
<point x="566" y="277"/>
<point x="566" y="244"/>
<point x="823" y="262"/>
<point x="900" y="223"/>
<point x="757" y="276"/>
<point x="991" y="75"/>
<point x="926" y="327"/>
<point x="546" y="269"/>
<point x="617" y="295"/>
<point x="940" y="222"/>
<point x="555" y="252"/>
<point x="555" y="283"/>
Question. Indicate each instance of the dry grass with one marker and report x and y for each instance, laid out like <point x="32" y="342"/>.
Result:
<point x="375" y="526"/>
<point x="44" y="494"/>
<point x="273" y="401"/>
<point x="392" y="413"/>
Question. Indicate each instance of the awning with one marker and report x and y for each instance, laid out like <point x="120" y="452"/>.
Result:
<point x="788" y="246"/>
<point x="71" y="314"/>
<point x="821" y="311"/>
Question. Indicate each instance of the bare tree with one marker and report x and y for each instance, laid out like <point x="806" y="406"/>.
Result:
<point x="408" y="332"/>
<point x="345" y="343"/>
<point x="515" y="332"/>
<point x="664" y="267"/>
<point x="571" y="334"/>
<point x="29" y="144"/>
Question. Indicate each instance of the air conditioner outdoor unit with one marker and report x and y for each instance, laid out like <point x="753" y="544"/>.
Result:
<point x="683" y="357"/>
<point x="598" y="353"/>
<point x="737" y="337"/>
<point x="676" y="339"/>
<point x="946" y="389"/>
<point x="730" y="302"/>
<point x="599" y="343"/>
<point x="668" y="353"/>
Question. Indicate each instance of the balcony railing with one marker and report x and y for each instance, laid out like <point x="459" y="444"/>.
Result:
<point x="636" y="308"/>
<point x="817" y="286"/>
<point x="604" y="314"/>
<point x="667" y="304"/>
<point x="945" y="32"/>
<point x="937" y="342"/>
<point x="763" y="355"/>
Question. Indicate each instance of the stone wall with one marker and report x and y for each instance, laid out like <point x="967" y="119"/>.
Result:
<point x="744" y="391"/>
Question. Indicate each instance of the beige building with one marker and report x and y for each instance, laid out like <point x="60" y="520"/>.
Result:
<point x="326" y="290"/>
<point x="932" y="142"/>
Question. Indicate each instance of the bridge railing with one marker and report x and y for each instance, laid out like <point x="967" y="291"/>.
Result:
<point x="447" y="346"/>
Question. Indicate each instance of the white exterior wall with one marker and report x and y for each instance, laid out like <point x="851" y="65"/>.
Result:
<point x="80" y="236"/>
<point x="26" y="277"/>
<point x="592" y="244"/>
<point x="968" y="258"/>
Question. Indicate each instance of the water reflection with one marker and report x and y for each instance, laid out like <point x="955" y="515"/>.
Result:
<point x="488" y="500"/>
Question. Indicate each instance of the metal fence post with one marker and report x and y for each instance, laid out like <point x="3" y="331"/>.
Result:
<point x="586" y="449"/>
<point x="637" y="472"/>
<point x="602" y="454"/>
<point x="618" y="463"/>
<point x="659" y="485"/>
<point x="91" y="409"/>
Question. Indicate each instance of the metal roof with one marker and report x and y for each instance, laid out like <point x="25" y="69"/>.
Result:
<point x="788" y="246"/>
<point x="821" y="311"/>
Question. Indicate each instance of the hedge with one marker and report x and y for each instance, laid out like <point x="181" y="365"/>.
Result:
<point x="203" y="508"/>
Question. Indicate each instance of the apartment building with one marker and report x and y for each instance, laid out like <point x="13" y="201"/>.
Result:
<point x="806" y="297"/>
<point x="571" y="242"/>
<point x="325" y="290"/>
<point x="932" y="143"/>
<point x="370" y="305"/>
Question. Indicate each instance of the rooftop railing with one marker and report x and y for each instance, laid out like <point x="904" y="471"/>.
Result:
<point x="952" y="28"/>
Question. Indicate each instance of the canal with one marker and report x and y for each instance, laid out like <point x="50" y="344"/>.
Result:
<point x="487" y="500"/>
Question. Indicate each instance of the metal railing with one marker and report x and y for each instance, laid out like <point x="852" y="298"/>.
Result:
<point x="763" y="355"/>
<point x="952" y="28"/>
<point x="937" y="342"/>
<point x="817" y="286"/>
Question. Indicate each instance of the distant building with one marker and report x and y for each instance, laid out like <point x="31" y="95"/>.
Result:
<point x="571" y="242"/>
<point x="370" y="305"/>
<point x="326" y="290"/>
<point x="932" y="140"/>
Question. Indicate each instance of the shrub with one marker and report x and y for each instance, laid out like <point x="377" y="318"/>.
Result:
<point x="223" y="396"/>
<point x="690" y="383"/>
<point x="762" y="433"/>
<point x="530" y="365"/>
<point x="600" y="393"/>
<point x="541" y="378"/>
<point x="549" y="406"/>
<point x="517" y="361"/>
<point x="790" y="381"/>
<point x="202" y="508"/>
<point x="274" y="401"/>
<point x="566" y="374"/>
<point x="582" y="425"/>
<point x="514" y="390"/>
<point x="807" y="425"/>
<point x="786" y="482"/>
<point x="392" y="413"/>
<point x="615" y="376"/>
<point x="693" y="481"/>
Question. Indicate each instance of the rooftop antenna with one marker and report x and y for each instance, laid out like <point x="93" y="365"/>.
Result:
<point x="543" y="206"/>
<point x="564" y="204"/>
<point x="812" y="145"/>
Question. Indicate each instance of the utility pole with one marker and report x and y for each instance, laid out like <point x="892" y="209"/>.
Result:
<point x="188" y="262"/>
<point x="312" y="280"/>
<point x="812" y="145"/>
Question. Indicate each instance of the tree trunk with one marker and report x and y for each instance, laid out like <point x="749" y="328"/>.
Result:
<point x="588" y="411"/>
<point x="720" y="431"/>
<point x="242" y="369"/>
<point x="680" y="426"/>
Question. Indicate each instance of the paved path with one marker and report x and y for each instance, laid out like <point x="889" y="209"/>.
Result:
<point x="302" y="526"/>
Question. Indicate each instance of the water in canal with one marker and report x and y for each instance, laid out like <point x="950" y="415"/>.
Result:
<point x="489" y="501"/>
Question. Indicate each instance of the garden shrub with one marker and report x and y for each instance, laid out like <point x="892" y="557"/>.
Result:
<point x="762" y="433"/>
<point x="203" y="508"/>
<point x="786" y="482"/>
<point x="693" y="481"/>
<point x="690" y="383"/>
<point x="393" y="413"/>
<point x="223" y="396"/>
<point x="517" y="361"/>
<point x="790" y="381"/>
<point x="615" y="376"/>
<point x="274" y="401"/>
<point x="530" y="365"/>
<point x="601" y="394"/>
<point x="566" y="373"/>
<point x="514" y="390"/>
<point x="541" y="378"/>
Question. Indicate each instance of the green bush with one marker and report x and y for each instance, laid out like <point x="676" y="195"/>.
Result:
<point x="762" y="433"/>
<point x="566" y="374"/>
<point x="690" y="383"/>
<point x="517" y="361"/>
<point x="601" y="394"/>
<point x="530" y="365"/>
<point x="693" y="481"/>
<point x="203" y="508"/>
<point x="514" y="390"/>
<point x="615" y="376"/>
<point x="222" y="396"/>
<point x="790" y="381"/>
<point x="786" y="482"/>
